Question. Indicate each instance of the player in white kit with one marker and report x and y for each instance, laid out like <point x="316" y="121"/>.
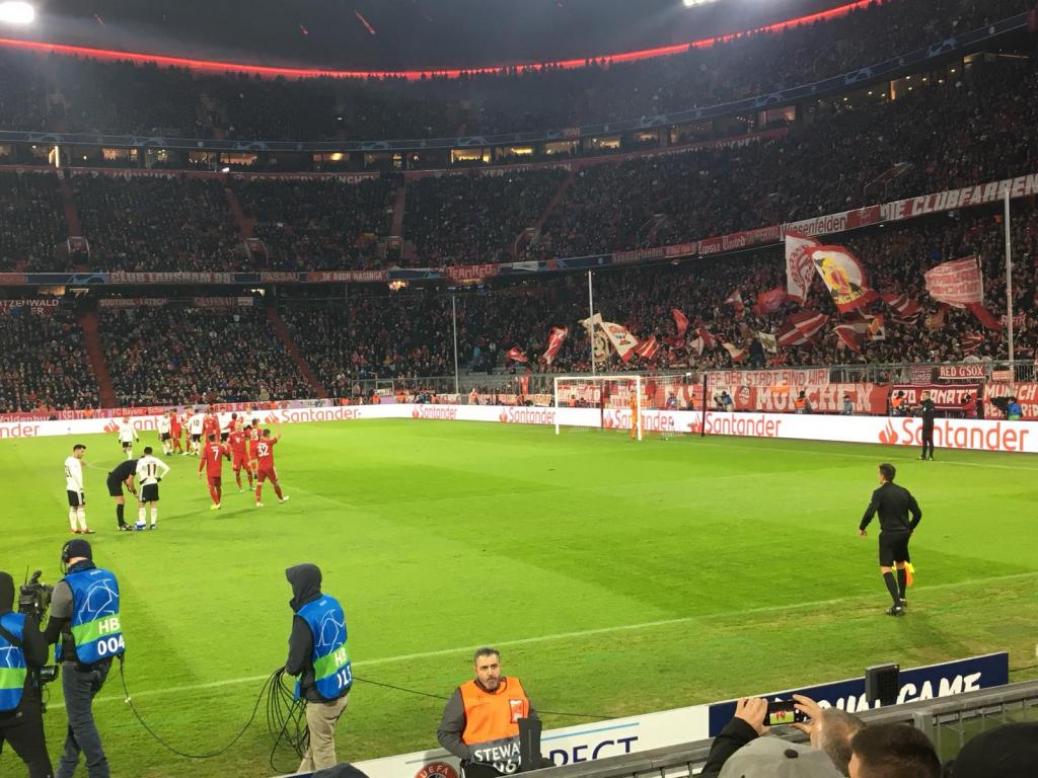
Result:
<point x="76" y="494"/>
<point x="163" y="426"/>
<point x="194" y="428"/>
<point x="127" y="436"/>
<point x="150" y="470"/>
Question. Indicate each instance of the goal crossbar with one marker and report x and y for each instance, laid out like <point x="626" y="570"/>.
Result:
<point x="598" y="392"/>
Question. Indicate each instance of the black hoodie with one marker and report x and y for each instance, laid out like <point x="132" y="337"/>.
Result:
<point x="34" y="645"/>
<point x="306" y="587"/>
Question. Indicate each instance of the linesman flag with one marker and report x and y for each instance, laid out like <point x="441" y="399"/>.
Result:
<point x="844" y="276"/>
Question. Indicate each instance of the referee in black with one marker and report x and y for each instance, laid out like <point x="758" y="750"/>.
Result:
<point x="123" y="475"/>
<point x="927" y="412"/>
<point x="894" y="504"/>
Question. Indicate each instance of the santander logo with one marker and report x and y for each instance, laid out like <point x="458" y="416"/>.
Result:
<point x="503" y="417"/>
<point x="111" y="426"/>
<point x="888" y="435"/>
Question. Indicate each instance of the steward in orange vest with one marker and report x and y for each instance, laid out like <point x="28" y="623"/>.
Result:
<point x="480" y="723"/>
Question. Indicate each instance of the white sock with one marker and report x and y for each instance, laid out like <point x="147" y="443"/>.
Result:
<point x="72" y="517"/>
<point x="141" y="514"/>
<point x="154" y="514"/>
<point x="81" y="517"/>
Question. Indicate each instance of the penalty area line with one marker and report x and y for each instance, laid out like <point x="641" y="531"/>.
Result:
<point x="565" y="636"/>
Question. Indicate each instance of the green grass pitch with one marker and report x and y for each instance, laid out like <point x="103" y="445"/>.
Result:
<point x="615" y="577"/>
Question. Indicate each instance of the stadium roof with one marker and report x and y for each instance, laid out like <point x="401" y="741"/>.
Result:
<point x="380" y="35"/>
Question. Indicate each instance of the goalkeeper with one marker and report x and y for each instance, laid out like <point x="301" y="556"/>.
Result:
<point x="894" y="503"/>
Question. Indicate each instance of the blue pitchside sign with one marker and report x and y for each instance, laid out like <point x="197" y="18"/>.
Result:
<point x="919" y="683"/>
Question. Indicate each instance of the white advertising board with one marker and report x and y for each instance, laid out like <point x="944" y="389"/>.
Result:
<point x="976" y="435"/>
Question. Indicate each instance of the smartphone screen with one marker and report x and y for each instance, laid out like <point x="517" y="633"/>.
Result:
<point x="783" y="712"/>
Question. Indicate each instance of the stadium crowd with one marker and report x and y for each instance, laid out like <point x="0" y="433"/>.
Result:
<point x="42" y="364"/>
<point x="157" y="223"/>
<point x="317" y="224"/>
<point x="32" y="223"/>
<point x="974" y="127"/>
<point x="68" y="94"/>
<point x="175" y="354"/>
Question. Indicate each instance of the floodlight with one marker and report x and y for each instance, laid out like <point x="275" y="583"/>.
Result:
<point x="693" y="3"/>
<point x="16" y="12"/>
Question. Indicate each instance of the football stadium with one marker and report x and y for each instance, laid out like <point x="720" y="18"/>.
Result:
<point x="454" y="389"/>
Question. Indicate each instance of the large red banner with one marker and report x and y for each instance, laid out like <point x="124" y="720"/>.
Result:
<point x="792" y="377"/>
<point x="1025" y="394"/>
<point x="869" y="399"/>
<point x="946" y="397"/>
<point x="957" y="283"/>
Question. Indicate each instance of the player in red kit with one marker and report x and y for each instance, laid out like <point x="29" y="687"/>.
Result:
<point x="265" y="471"/>
<point x="210" y="426"/>
<point x="239" y="457"/>
<point x="175" y="430"/>
<point x="252" y="436"/>
<point x="213" y="454"/>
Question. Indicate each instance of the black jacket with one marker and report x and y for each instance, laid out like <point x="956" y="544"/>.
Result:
<point x="306" y="587"/>
<point x="735" y="735"/>
<point x="894" y="503"/>
<point x="33" y="644"/>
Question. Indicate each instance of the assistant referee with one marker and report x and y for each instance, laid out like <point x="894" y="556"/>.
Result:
<point x="894" y="504"/>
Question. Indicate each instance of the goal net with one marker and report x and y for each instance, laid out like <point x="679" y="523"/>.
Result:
<point x="630" y="402"/>
<point x="619" y="399"/>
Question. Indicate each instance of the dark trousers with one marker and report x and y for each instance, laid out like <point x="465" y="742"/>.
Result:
<point x="23" y="731"/>
<point x="927" y="440"/>
<point x="81" y="685"/>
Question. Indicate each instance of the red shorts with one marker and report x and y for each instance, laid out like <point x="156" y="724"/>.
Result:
<point x="237" y="462"/>
<point x="214" y="480"/>
<point x="266" y="473"/>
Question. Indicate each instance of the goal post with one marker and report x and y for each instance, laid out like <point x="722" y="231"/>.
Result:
<point x="615" y="396"/>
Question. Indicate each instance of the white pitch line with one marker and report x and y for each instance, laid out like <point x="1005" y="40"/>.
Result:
<point x="563" y="636"/>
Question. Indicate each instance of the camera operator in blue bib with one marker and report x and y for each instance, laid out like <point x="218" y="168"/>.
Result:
<point x="85" y="624"/>
<point x="22" y="651"/>
<point x="317" y="653"/>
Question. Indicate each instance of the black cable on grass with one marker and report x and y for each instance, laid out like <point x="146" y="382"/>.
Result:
<point x="210" y="754"/>
<point x="286" y="720"/>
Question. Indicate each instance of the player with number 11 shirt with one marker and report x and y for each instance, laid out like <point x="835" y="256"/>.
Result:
<point x="239" y="457"/>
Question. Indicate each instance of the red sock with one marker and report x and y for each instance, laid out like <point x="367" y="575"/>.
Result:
<point x="219" y="494"/>
<point x="237" y="477"/>
<point x="259" y="492"/>
<point x="214" y="494"/>
<point x="277" y="490"/>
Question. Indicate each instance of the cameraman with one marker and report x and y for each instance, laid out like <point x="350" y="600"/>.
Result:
<point x="84" y="617"/>
<point x="22" y="647"/>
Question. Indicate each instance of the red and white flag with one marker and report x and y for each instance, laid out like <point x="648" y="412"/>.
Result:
<point x="737" y="354"/>
<point x="735" y="300"/>
<point x="768" y="341"/>
<point x="709" y="341"/>
<point x="904" y="307"/>
<point x="648" y="349"/>
<point x="696" y="345"/>
<point x="801" y="328"/>
<point x="769" y="301"/>
<point x="844" y="276"/>
<point x="971" y="342"/>
<point x="556" y="338"/>
<point x="680" y="321"/>
<point x="800" y="269"/>
<point x="849" y="337"/>
<point x="515" y="354"/>
<point x="960" y="284"/>
<point x="623" y="341"/>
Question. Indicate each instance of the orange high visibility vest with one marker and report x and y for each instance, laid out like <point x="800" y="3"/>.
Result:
<point x="493" y="716"/>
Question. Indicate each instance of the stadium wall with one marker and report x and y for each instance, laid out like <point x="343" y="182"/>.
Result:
<point x="968" y="434"/>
